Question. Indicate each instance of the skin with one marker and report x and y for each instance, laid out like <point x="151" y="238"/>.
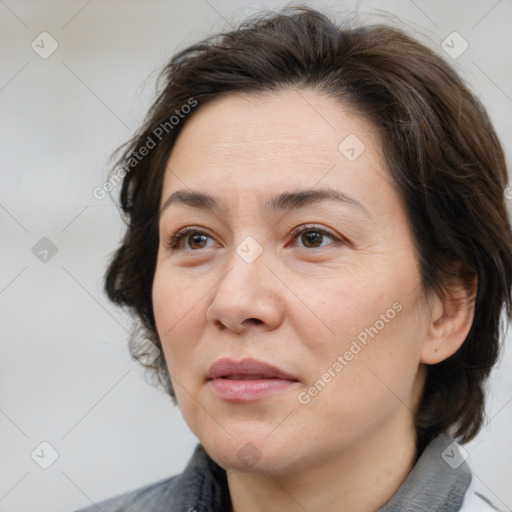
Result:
<point x="299" y="305"/>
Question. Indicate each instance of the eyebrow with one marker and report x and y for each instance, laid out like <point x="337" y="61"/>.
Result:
<point x="283" y="202"/>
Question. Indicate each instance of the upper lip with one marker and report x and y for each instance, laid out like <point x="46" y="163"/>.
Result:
<point x="225" y="367"/>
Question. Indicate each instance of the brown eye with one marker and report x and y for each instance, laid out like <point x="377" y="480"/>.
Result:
<point x="312" y="237"/>
<point x="196" y="239"/>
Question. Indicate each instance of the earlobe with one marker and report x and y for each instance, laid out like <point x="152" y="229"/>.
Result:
<point x="449" y="324"/>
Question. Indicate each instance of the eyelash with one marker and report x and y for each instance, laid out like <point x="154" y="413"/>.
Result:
<point x="175" y="239"/>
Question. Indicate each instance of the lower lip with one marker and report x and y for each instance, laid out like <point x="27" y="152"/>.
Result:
<point x="245" y="390"/>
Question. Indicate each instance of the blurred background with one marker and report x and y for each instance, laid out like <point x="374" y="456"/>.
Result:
<point x="79" y="422"/>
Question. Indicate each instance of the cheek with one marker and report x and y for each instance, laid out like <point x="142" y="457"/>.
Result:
<point x="369" y="338"/>
<point x="364" y="380"/>
<point x="176" y="308"/>
<point x="165" y="306"/>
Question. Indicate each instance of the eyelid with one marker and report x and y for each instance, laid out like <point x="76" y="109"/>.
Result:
<point x="314" y="227"/>
<point x="172" y="242"/>
<point x="175" y="239"/>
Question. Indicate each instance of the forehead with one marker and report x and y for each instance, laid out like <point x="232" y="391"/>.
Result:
<point x="284" y="124"/>
<point x="252" y="143"/>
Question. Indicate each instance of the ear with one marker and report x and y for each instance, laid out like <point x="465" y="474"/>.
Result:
<point x="450" y="321"/>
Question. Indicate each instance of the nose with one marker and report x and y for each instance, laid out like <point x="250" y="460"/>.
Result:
<point x="248" y="297"/>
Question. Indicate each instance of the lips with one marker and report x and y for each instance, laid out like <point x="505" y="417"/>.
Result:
<point x="243" y="377"/>
<point x="247" y="369"/>
<point x="248" y="380"/>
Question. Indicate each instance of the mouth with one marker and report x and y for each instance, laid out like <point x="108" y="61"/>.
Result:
<point x="246" y="369"/>
<point x="247" y="380"/>
<point x="246" y="377"/>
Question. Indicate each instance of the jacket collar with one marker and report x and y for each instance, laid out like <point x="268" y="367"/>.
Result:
<point x="438" y="481"/>
<point x="432" y="484"/>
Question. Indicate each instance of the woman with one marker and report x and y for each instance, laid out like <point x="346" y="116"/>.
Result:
<point x="318" y="245"/>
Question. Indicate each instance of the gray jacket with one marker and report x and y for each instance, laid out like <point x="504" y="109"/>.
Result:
<point x="439" y="482"/>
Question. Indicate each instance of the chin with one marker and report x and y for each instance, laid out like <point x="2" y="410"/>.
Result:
<point x="252" y="452"/>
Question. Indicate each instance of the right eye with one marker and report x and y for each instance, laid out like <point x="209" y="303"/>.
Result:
<point x="175" y="241"/>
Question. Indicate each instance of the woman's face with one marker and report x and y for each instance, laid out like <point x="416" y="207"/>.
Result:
<point x="338" y="307"/>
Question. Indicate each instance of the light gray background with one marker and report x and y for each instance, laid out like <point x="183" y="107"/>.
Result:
<point x="65" y="374"/>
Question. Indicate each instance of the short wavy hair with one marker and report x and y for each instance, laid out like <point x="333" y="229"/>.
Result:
<point x="440" y="148"/>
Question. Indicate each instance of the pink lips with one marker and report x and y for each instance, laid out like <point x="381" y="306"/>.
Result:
<point x="247" y="379"/>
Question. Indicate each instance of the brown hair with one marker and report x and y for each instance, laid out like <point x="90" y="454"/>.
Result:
<point x="439" y="145"/>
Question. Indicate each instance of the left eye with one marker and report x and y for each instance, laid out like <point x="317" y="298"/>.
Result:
<point x="312" y="237"/>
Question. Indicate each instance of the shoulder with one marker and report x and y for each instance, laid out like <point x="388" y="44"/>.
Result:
<point x="476" y="502"/>
<point x="202" y="483"/>
<point x="148" y="498"/>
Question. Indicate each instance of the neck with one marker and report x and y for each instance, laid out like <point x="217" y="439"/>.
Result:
<point x="359" y="478"/>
